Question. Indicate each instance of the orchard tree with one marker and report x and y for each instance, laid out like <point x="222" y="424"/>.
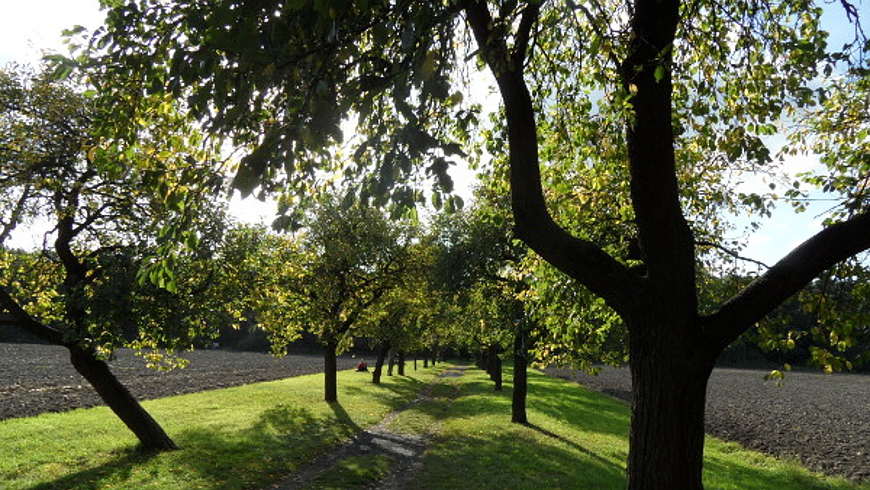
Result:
<point x="675" y="94"/>
<point x="478" y="250"/>
<point x="344" y="264"/>
<point x="78" y="292"/>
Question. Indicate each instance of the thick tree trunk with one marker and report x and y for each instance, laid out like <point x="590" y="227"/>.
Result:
<point x="390" y="363"/>
<point x="330" y="383"/>
<point x="401" y="362"/>
<point x="118" y="398"/>
<point x="425" y="361"/>
<point x="518" y="404"/>
<point x="669" y="387"/>
<point x="379" y="363"/>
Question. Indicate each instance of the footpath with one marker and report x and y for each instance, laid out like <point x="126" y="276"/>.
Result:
<point x="404" y="452"/>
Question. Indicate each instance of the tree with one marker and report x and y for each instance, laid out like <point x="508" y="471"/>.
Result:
<point x="689" y="91"/>
<point x="78" y="291"/>
<point x="344" y="264"/>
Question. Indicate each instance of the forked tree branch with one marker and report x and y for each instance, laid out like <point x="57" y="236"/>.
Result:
<point x="578" y="258"/>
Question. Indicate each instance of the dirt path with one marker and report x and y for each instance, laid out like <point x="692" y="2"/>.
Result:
<point x="405" y="451"/>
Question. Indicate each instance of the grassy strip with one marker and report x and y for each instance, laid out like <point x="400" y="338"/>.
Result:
<point x="578" y="439"/>
<point x="241" y="437"/>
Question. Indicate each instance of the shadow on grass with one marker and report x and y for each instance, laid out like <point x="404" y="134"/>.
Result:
<point x="569" y="442"/>
<point x="553" y="398"/>
<point x="512" y="459"/>
<point x="721" y="473"/>
<point x="277" y="443"/>
<point x="120" y="468"/>
<point x="395" y="393"/>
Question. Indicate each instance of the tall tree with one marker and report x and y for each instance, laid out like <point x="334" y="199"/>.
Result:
<point x="688" y="90"/>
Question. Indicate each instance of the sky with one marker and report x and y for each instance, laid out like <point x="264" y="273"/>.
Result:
<point x="30" y="28"/>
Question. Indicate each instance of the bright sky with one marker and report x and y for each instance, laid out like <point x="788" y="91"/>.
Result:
<point x="28" y="28"/>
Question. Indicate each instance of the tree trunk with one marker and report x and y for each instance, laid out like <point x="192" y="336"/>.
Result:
<point x="401" y="360"/>
<point x="415" y="362"/>
<point x="390" y="364"/>
<point x="379" y="363"/>
<point x="494" y="366"/>
<point x="118" y="398"/>
<point x="497" y="375"/>
<point x="518" y="405"/>
<point x="669" y="388"/>
<point x="425" y="361"/>
<point x="330" y="382"/>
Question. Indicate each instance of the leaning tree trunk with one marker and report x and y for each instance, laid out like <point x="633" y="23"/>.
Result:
<point x="379" y="363"/>
<point x="330" y="383"/>
<point x="401" y="362"/>
<point x="151" y="436"/>
<point x="669" y="387"/>
<point x="119" y="399"/>
<point x="518" y="405"/>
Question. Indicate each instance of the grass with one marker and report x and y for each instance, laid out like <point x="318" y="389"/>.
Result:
<point x="578" y="439"/>
<point x="242" y="437"/>
<point x="254" y="435"/>
<point x="354" y="472"/>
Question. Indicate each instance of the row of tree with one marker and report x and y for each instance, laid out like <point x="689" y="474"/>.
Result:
<point x="623" y="131"/>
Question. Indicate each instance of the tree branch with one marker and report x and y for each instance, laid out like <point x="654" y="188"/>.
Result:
<point x="27" y="322"/>
<point x="666" y="240"/>
<point x="521" y="45"/>
<point x="578" y="258"/>
<point x="731" y="253"/>
<point x="835" y="243"/>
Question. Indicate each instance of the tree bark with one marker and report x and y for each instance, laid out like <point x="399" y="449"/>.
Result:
<point x="118" y="398"/>
<point x="669" y="387"/>
<point x="494" y="363"/>
<point x="330" y="382"/>
<point x="390" y="363"/>
<point x="401" y="362"/>
<point x="518" y="404"/>
<point x="379" y="363"/>
<point x="425" y="361"/>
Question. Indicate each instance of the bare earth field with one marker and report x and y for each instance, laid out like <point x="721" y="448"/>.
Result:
<point x="39" y="378"/>
<point x="822" y="420"/>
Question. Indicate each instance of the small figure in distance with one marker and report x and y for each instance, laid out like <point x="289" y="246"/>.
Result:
<point x="362" y="367"/>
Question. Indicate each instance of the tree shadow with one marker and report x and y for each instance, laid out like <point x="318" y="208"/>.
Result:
<point x="275" y="444"/>
<point x="503" y="460"/>
<point x="344" y="418"/>
<point x="569" y="442"/>
<point x="119" y="468"/>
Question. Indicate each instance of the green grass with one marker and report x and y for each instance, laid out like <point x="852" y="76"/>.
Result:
<point x="251" y="436"/>
<point x="354" y="472"/>
<point x="578" y="439"/>
<point x="240" y="437"/>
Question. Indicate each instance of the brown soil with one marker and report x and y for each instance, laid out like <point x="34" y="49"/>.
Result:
<point x="39" y="378"/>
